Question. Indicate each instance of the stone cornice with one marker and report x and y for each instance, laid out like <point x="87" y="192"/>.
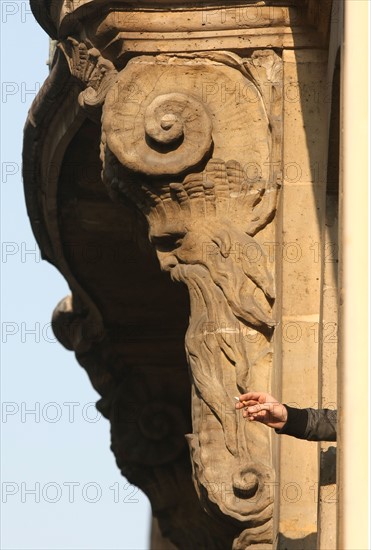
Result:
<point x="61" y="18"/>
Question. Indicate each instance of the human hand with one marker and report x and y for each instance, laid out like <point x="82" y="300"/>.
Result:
<point x="263" y="407"/>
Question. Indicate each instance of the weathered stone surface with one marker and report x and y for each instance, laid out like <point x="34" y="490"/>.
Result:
<point x="158" y="174"/>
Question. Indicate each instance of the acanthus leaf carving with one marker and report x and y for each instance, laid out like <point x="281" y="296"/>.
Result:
<point x="95" y="73"/>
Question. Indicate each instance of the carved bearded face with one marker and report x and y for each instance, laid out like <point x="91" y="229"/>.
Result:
<point x="183" y="242"/>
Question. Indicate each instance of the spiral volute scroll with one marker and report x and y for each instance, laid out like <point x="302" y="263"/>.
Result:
<point x="165" y="135"/>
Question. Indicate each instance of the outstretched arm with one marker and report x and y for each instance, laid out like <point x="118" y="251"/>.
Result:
<point x="263" y="407"/>
<point x="309" y="424"/>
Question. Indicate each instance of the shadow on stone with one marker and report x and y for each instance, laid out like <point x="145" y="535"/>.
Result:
<point x="306" y="543"/>
<point x="328" y="466"/>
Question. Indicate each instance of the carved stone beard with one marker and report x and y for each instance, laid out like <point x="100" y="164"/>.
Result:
<point x="234" y="472"/>
<point x="215" y="346"/>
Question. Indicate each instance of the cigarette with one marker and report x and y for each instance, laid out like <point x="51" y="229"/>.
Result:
<point x="237" y="398"/>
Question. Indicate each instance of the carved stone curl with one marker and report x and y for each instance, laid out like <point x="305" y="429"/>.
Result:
<point x="176" y="125"/>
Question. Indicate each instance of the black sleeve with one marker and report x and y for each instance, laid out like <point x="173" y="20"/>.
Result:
<point x="310" y="424"/>
<point x="296" y="423"/>
<point x="322" y="425"/>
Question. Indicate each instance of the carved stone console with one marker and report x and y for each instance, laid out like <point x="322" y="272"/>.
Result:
<point x="154" y="161"/>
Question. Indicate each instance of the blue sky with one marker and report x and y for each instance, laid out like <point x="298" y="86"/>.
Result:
<point x="61" y="488"/>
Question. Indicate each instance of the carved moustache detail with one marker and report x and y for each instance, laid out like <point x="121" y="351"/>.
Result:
<point x="243" y="278"/>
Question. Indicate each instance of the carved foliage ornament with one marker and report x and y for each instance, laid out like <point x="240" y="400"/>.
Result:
<point x="94" y="72"/>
